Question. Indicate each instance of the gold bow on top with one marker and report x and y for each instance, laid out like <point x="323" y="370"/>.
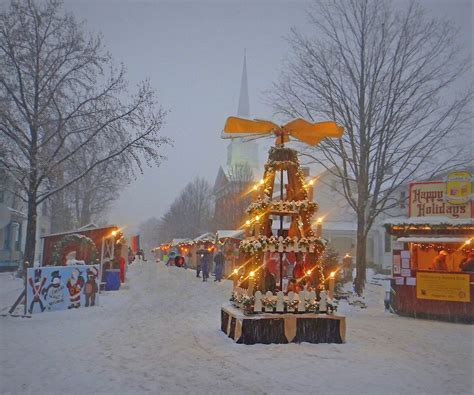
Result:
<point x="310" y="133"/>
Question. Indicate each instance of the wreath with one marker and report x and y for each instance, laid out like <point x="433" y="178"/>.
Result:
<point x="82" y="241"/>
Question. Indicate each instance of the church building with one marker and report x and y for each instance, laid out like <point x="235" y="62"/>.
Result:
<point x="233" y="185"/>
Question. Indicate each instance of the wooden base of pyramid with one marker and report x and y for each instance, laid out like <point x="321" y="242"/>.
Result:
<point x="282" y="328"/>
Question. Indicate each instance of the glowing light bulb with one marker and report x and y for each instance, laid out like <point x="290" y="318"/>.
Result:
<point x="236" y="271"/>
<point x="332" y="274"/>
<point x="114" y="233"/>
<point x="261" y="181"/>
<point x="247" y="222"/>
<point x="255" y="187"/>
<point x="467" y="242"/>
<point x="257" y="218"/>
<point x="320" y="220"/>
<point x="252" y="274"/>
<point x="308" y="272"/>
<point x="311" y="182"/>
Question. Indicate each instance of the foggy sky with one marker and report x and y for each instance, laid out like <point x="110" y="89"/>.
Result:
<point x="192" y="53"/>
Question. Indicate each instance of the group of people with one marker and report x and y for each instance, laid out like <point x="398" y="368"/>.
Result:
<point x="203" y="266"/>
<point x="466" y="265"/>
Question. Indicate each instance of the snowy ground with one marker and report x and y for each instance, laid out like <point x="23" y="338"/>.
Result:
<point x="161" y="335"/>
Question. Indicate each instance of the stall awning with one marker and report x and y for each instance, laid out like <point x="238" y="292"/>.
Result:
<point x="230" y="234"/>
<point x="428" y="220"/>
<point x="432" y="240"/>
<point x="176" y="242"/>
<point x="207" y="237"/>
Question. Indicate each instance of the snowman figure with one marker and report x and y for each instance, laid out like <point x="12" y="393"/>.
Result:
<point x="53" y="293"/>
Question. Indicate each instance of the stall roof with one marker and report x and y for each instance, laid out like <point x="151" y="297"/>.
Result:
<point x="80" y="230"/>
<point x="230" y="234"/>
<point x="175" y="242"/>
<point x="428" y="220"/>
<point x="208" y="236"/>
<point x="432" y="239"/>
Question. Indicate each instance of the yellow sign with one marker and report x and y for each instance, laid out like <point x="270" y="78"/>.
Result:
<point x="443" y="286"/>
<point x="428" y="199"/>
<point x="459" y="187"/>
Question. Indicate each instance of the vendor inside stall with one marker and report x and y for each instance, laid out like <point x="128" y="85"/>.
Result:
<point x="441" y="254"/>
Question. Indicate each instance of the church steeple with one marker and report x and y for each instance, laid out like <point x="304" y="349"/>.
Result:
<point x="239" y="151"/>
<point x="244" y="106"/>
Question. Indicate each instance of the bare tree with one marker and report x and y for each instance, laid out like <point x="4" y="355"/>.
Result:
<point x="87" y="201"/>
<point x="386" y="75"/>
<point x="148" y="231"/>
<point x="60" y="93"/>
<point x="190" y="214"/>
<point x="232" y="202"/>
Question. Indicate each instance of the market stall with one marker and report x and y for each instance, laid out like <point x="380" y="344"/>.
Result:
<point x="204" y="243"/>
<point x="89" y="245"/>
<point x="433" y="256"/>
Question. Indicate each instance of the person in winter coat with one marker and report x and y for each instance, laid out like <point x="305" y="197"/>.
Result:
<point x="131" y="256"/>
<point x="467" y="265"/>
<point x="205" y="266"/>
<point x="199" y="259"/>
<point x="219" y="260"/>
<point x="439" y="263"/>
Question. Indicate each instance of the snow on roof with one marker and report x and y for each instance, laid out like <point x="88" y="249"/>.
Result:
<point x="88" y="226"/>
<point x="175" y="242"/>
<point x="429" y="220"/>
<point x="232" y="234"/>
<point x="431" y="239"/>
<point x="208" y="236"/>
<point x="79" y="230"/>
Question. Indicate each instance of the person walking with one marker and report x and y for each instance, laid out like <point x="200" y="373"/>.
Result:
<point x="219" y="260"/>
<point x="205" y="263"/>
<point x="199" y="260"/>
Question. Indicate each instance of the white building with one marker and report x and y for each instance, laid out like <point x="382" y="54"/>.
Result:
<point x="13" y="221"/>
<point x="339" y="220"/>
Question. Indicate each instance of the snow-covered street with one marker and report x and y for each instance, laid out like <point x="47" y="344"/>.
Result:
<point x="161" y="335"/>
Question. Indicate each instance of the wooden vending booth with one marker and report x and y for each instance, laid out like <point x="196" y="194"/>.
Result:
<point x="432" y="268"/>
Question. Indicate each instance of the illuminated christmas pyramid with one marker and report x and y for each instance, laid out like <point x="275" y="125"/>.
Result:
<point x="290" y="204"/>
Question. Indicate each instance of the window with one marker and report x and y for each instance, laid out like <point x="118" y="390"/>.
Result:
<point x="6" y="242"/>
<point x="18" y="238"/>
<point x="388" y="242"/>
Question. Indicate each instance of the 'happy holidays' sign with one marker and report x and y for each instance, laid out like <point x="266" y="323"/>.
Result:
<point x="428" y="199"/>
